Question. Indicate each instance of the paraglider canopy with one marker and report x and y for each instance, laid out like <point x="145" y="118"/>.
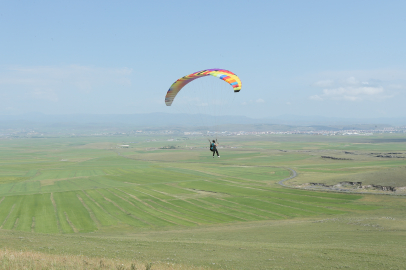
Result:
<point x="223" y="74"/>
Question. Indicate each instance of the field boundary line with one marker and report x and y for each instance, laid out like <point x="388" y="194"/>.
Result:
<point x="308" y="211"/>
<point x="132" y="196"/>
<point x="219" y="198"/>
<point x="9" y="213"/>
<point x="16" y="223"/>
<point x="233" y="208"/>
<point x="301" y="202"/>
<point x="200" y="206"/>
<point x="56" y="212"/>
<point x="12" y="188"/>
<point x="233" y="184"/>
<point x="118" y="196"/>
<point x="175" y="216"/>
<point x="97" y="204"/>
<point x="262" y="210"/>
<point x="70" y="223"/>
<point x="237" y="184"/>
<point x="205" y="217"/>
<point x="172" y="209"/>
<point x="59" y="179"/>
<point x="92" y="215"/>
<point x="123" y="210"/>
<point x="222" y="175"/>
<point x="33" y="224"/>
<point x="206" y="203"/>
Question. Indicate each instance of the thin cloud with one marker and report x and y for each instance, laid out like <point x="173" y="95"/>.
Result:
<point x="316" y="97"/>
<point x="381" y="75"/>
<point x="252" y="102"/>
<point x="396" y="86"/>
<point x="324" y="83"/>
<point x="45" y="94"/>
<point x="351" y="89"/>
<point x="40" y="80"/>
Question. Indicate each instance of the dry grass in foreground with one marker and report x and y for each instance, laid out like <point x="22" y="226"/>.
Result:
<point x="10" y="259"/>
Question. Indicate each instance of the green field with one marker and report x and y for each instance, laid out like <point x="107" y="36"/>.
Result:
<point x="89" y="196"/>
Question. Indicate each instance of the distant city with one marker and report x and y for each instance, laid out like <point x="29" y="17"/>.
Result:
<point x="309" y="132"/>
<point x="32" y="133"/>
<point x="40" y="125"/>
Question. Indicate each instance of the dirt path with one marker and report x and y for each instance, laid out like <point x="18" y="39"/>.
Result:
<point x="293" y="175"/>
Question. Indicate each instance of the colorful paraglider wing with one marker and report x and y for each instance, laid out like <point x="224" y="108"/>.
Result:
<point x="223" y="74"/>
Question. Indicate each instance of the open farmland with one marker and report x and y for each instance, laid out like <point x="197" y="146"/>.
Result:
<point x="89" y="196"/>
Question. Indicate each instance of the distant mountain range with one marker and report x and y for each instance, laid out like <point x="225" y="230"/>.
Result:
<point x="165" y="120"/>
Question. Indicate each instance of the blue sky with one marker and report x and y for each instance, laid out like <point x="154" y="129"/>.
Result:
<point x="325" y="58"/>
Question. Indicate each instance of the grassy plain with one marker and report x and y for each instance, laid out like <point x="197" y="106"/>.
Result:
<point x="181" y="208"/>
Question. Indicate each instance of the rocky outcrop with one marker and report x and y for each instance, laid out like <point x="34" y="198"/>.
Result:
<point x="335" y="158"/>
<point x="347" y="185"/>
<point x="389" y="156"/>
<point x="379" y="187"/>
<point x="319" y="184"/>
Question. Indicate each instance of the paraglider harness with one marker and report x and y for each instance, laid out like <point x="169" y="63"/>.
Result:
<point x="212" y="146"/>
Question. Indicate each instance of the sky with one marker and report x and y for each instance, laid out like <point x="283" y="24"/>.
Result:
<point x="308" y="58"/>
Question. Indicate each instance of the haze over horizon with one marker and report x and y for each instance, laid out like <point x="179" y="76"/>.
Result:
<point x="344" y="59"/>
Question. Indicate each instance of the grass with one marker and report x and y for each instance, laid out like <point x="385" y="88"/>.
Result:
<point x="84" y="197"/>
<point x="10" y="259"/>
<point x="360" y="242"/>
